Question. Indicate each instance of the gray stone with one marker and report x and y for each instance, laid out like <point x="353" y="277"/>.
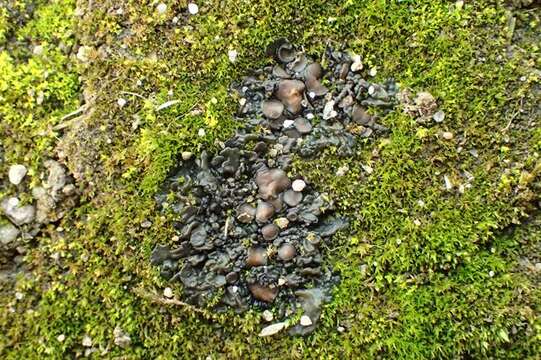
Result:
<point x="121" y="338"/>
<point x="16" y="173"/>
<point x="18" y="214"/>
<point x="8" y="234"/>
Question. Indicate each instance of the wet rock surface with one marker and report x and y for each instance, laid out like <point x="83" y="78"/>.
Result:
<point x="249" y="232"/>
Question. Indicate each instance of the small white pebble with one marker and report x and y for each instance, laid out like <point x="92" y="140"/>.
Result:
<point x="272" y="329"/>
<point x="298" y="185"/>
<point x="328" y="110"/>
<point x="439" y="116"/>
<point x="448" y="183"/>
<point x="13" y="202"/>
<point x="357" y="64"/>
<point x="368" y="169"/>
<point x="334" y="114"/>
<point x="267" y="316"/>
<point x="309" y="116"/>
<point x="186" y="155"/>
<point x="175" y="20"/>
<point x="448" y="135"/>
<point x="342" y="170"/>
<point x="281" y="282"/>
<point x="87" y="341"/>
<point x="38" y="50"/>
<point x="193" y="8"/>
<point x="421" y="203"/>
<point x="16" y="173"/>
<point x="288" y="123"/>
<point x="234" y="289"/>
<point x="201" y="132"/>
<point x="371" y="90"/>
<point x="373" y="72"/>
<point x="417" y="222"/>
<point x="398" y="241"/>
<point x="341" y="329"/>
<point x="232" y="55"/>
<point x="119" y="11"/>
<point x="61" y="337"/>
<point x="242" y="101"/>
<point x="19" y="295"/>
<point x="538" y="266"/>
<point x="491" y="273"/>
<point x="168" y="292"/>
<point x="83" y="52"/>
<point x="312" y="94"/>
<point x="121" y="102"/>
<point x="161" y="8"/>
<point x="306" y="321"/>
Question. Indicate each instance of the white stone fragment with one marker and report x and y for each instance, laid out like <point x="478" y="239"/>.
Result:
<point x="61" y="337"/>
<point x="448" y="135"/>
<point x="193" y="8"/>
<point x="439" y="116"/>
<point x="328" y="110"/>
<point x="38" y="50"/>
<point x="306" y="321"/>
<point x="201" y="132"/>
<point x="232" y="55"/>
<point x="83" y="52"/>
<point x="121" y="102"/>
<point x="342" y="170"/>
<point x="186" y="155"/>
<point x="87" y="341"/>
<point x="267" y="315"/>
<point x="288" y="123"/>
<point x="368" y="169"/>
<point x="272" y="329"/>
<point x="168" y="292"/>
<point x="161" y="8"/>
<point x="298" y="185"/>
<point x="16" y="173"/>
<point x="357" y="64"/>
<point x="448" y="183"/>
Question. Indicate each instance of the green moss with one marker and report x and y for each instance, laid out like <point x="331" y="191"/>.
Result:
<point x="425" y="272"/>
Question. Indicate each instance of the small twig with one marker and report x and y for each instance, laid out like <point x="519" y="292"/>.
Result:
<point x="167" y="104"/>
<point x="67" y="123"/>
<point x="226" y="226"/>
<point x="78" y="111"/>
<point x="134" y="94"/>
<point x="161" y="300"/>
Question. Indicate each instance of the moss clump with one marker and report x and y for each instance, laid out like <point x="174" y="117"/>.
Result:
<point x="426" y="272"/>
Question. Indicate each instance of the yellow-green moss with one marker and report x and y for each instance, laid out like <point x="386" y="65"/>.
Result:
<point x="426" y="273"/>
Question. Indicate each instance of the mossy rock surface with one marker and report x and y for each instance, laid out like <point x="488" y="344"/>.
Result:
<point x="426" y="271"/>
